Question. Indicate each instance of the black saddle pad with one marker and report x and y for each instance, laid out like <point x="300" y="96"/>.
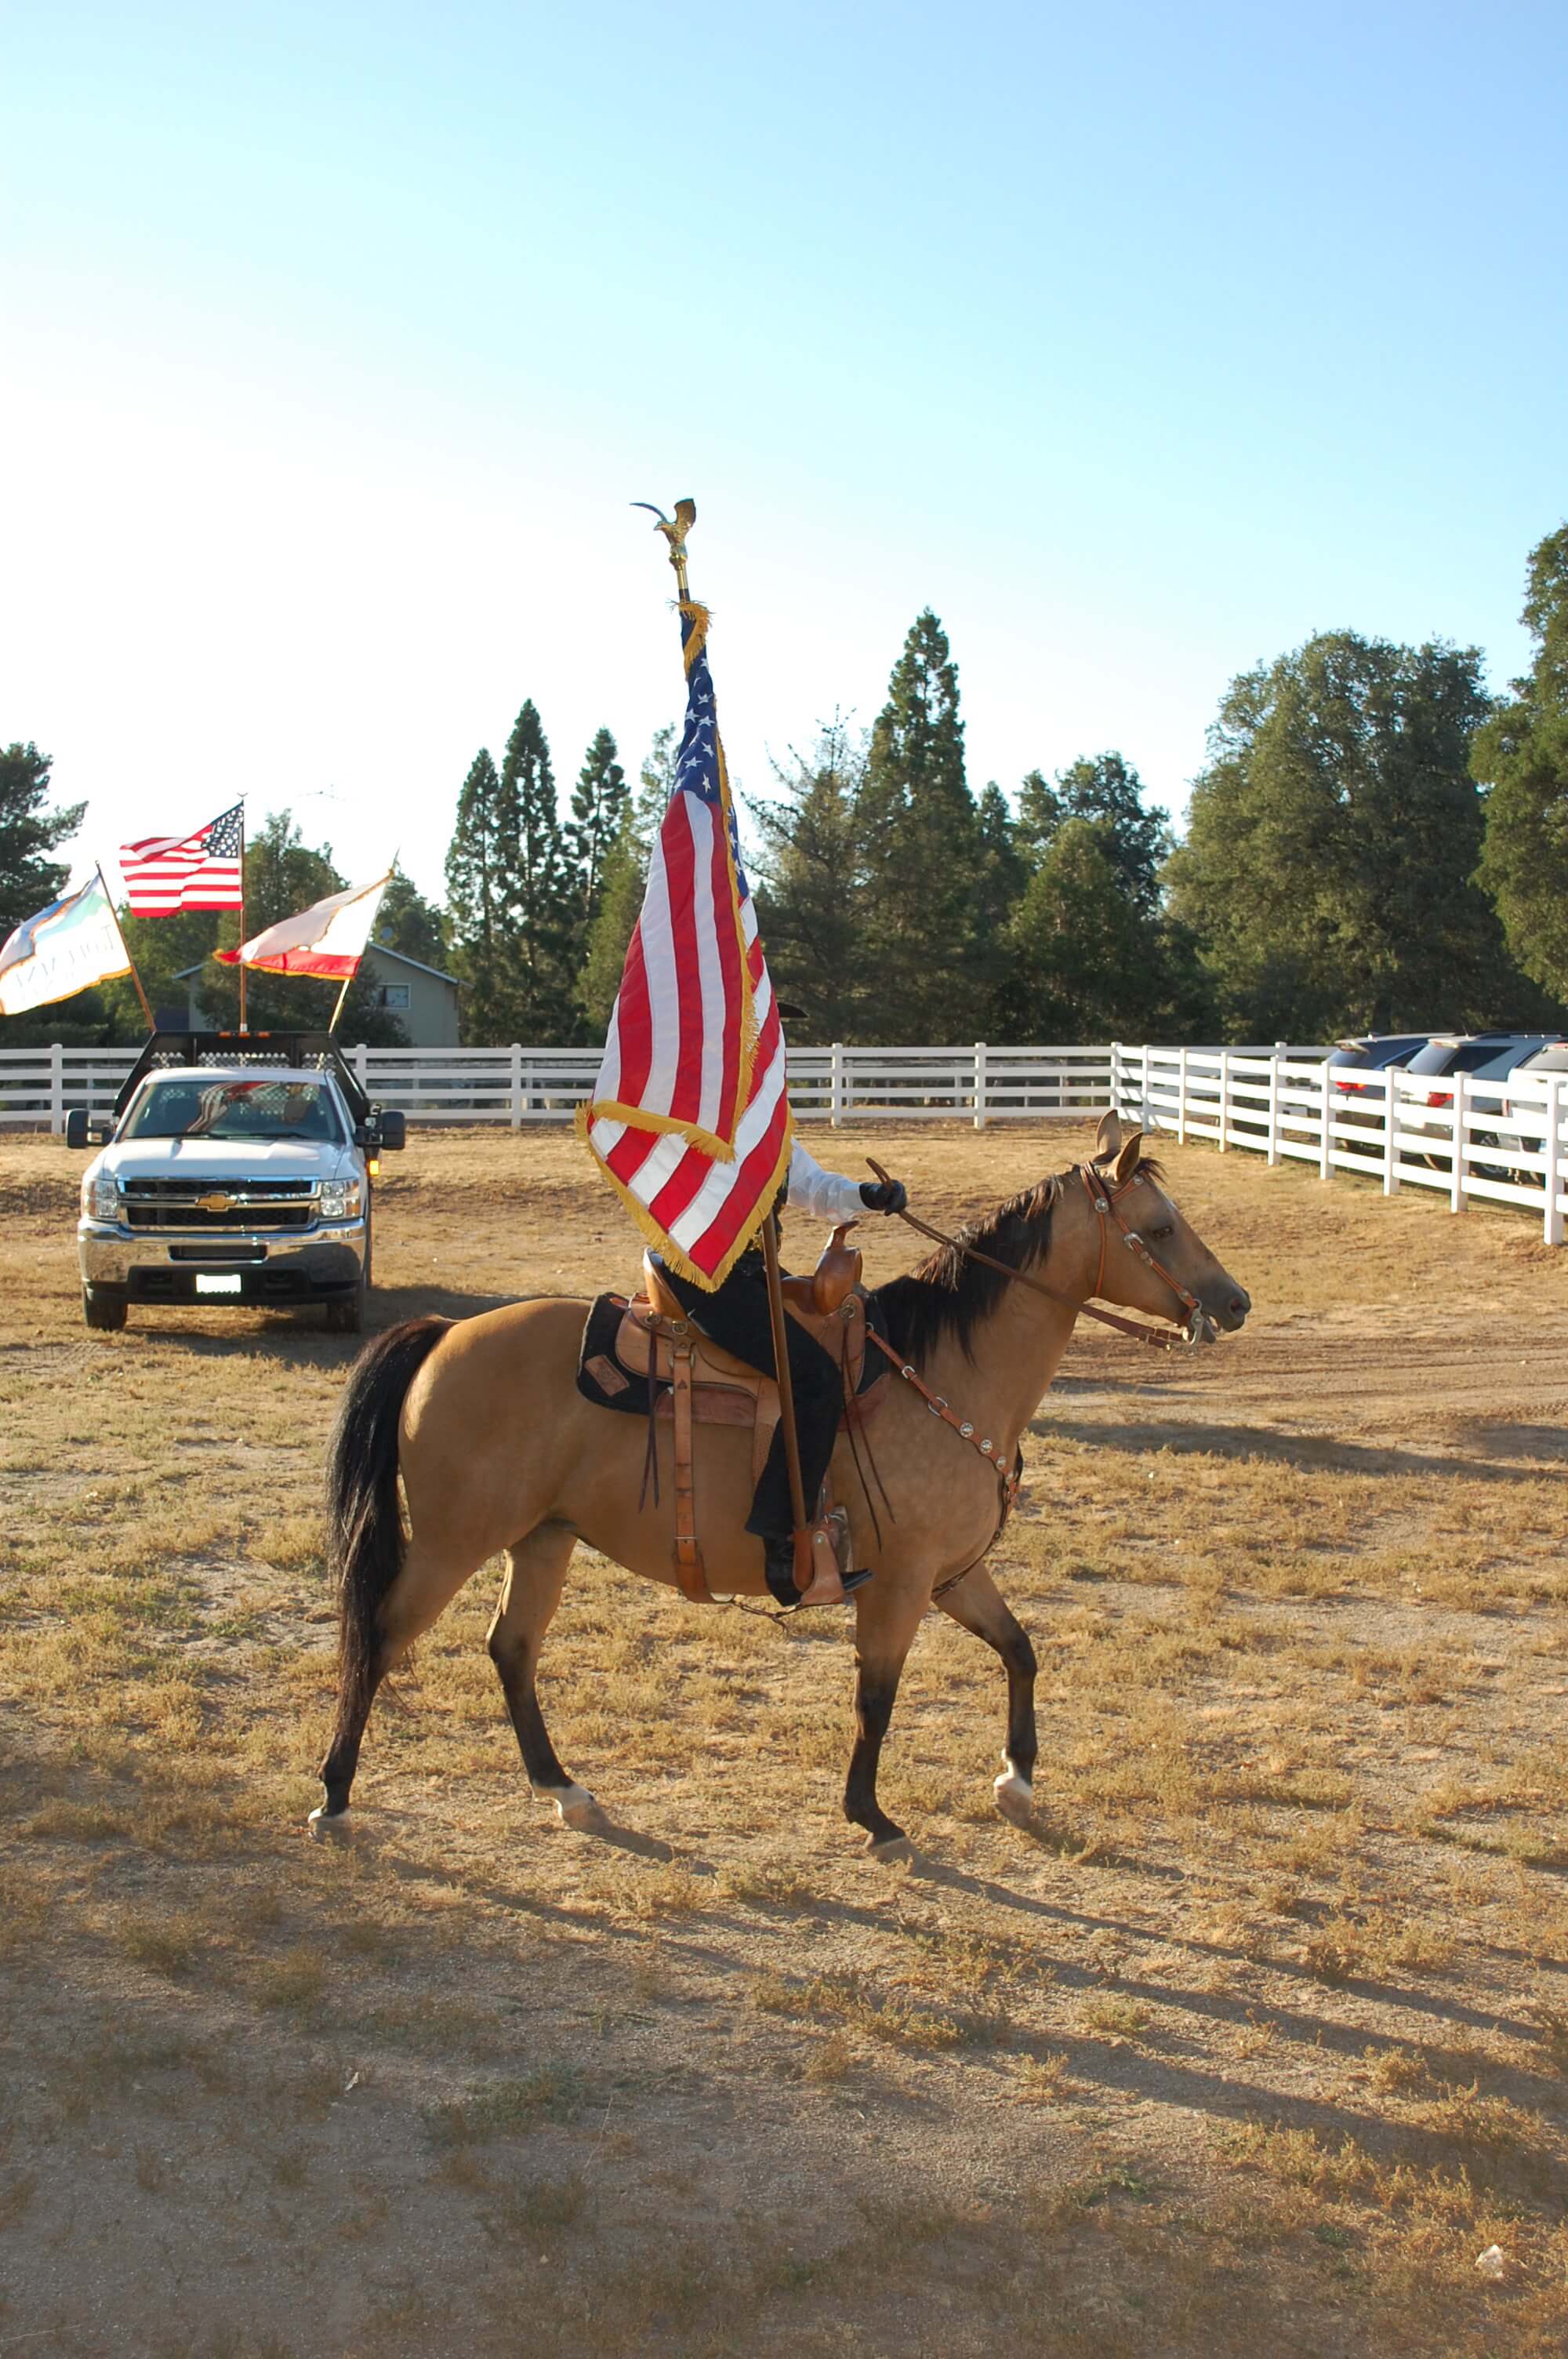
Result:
<point x="601" y="1379"/>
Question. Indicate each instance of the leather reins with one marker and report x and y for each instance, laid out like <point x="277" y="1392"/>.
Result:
<point x="1104" y="1198"/>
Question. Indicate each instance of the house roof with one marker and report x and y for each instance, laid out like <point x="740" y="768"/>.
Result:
<point x="385" y="951"/>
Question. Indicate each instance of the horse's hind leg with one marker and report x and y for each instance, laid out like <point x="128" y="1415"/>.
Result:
<point x="536" y="1575"/>
<point x="978" y="1603"/>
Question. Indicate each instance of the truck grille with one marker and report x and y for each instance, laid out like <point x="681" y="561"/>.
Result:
<point x="191" y="1205"/>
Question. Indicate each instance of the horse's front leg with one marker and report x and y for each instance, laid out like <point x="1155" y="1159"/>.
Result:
<point x="979" y="1605"/>
<point x="887" y="1615"/>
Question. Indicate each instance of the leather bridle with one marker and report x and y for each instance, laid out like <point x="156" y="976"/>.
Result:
<point x="1105" y="1200"/>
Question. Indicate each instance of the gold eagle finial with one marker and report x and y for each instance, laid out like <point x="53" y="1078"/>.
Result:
<point x="675" y="532"/>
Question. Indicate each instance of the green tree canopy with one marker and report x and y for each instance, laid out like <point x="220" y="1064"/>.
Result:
<point x="405" y="921"/>
<point x="624" y="882"/>
<point x="29" y="879"/>
<point x="917" y="821"/>
<point x="1073" y="966"/>
<point x="600" y="800"/>
<point x="1107" y="791"/>
<point x="535" y="952"/>
<point x="476" y="903"/>
<point x="811" y="887"/>
<point x="1327" y="872"/>
<point x="1521" y="756"/>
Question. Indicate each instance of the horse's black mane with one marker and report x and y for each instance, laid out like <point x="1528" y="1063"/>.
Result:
<point x="947" y="1294"/>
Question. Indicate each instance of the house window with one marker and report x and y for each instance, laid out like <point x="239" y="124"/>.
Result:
<point x="394" y="995"/>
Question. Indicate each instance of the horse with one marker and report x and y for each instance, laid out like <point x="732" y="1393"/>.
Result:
<point x="498" y="1453"/>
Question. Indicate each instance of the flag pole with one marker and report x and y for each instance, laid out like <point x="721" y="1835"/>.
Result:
<point x="126" y="946"/>
<point x="342" y="996"/>
<point x="244" y="1026"/>
<point x="675" y="534"/>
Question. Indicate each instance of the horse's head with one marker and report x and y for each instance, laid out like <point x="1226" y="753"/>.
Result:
<point x="1151" y="1258"/>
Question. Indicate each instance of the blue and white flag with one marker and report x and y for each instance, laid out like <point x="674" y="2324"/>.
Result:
<point x="66" y="948"/>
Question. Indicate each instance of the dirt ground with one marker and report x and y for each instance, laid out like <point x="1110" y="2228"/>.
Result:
<point x="1252" y="2043"/>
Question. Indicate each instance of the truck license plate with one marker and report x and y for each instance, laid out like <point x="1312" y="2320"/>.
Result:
<point x="225" y="1284"/>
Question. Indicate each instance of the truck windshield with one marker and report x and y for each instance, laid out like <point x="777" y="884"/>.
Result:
<point x="259" y="1109"/>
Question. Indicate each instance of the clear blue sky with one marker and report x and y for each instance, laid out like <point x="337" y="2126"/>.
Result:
<point x="1139" y="342"/>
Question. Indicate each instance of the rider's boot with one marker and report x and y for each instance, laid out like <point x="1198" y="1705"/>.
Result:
<point x="812" y="1569"/>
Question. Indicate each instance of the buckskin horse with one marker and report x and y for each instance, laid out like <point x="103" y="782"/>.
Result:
<point x="499" y="1453"/>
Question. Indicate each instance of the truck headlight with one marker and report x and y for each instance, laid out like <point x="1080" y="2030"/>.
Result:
<point x="100" y="1198"/>
<point x="339" y="1199"/>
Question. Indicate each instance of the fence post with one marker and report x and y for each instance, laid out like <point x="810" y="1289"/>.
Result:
<point x="1181" y="1097"/>
<point x="57" y="1088"/>
<point x="1274" y="1103"/>
<point x="836" y="1087"/>
<point x="516" y="1085"/>
<point x="1325" y="1118"/>
<point x="979" y="1085"/>
<point x="1391" y="1110"/>
<point x="1116" y="1077"/>
<point x="1553" y="1173"/>
<point x="1461" y="1140"/>
<point x="1146" y="1110"/>
<point x="1224" y="1096"/>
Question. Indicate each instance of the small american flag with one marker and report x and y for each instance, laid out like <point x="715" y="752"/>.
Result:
<point x="166" y="872"/>
<point x="690" y="1117"/>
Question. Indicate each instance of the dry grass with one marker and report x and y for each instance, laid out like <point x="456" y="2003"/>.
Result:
<point x="1252" y="2041"/>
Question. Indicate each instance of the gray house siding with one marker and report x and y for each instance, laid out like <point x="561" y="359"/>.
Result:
<point x="424" y="1001"/>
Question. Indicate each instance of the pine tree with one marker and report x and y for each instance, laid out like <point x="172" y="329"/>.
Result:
<point x="1039" y="817"/>
<point x="811" y="888"/>
<point x="476" y="905"/>
<point x="918" y="824"/>
<point x="1106" y="790"/>
<point x="1521" y="754"/>
<point x="29" y="880"/>
<point x="1073" y="966"/>
<point x="600" y="800"/>
<point x="536" y="950"/>
<point x="625" y="880"/>
<point x="405" y="921"/>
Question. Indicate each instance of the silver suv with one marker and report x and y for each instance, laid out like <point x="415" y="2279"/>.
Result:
<point x="236" y="1170"/>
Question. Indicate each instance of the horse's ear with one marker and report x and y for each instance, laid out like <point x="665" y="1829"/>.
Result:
<point x="1107" y="1138"/>
<point x="1127" y="1159"/>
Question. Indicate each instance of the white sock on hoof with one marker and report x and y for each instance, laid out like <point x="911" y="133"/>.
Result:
<point x="576" y="1805"/>
<point x="1014" y="1794"/>
<point x="328" y="1826"/>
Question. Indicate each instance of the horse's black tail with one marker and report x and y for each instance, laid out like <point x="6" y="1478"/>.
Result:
<point x="364" y="1529"/>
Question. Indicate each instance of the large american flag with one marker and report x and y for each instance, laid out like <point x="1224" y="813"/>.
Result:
<point x="689" y="1116"/>
<point x="204" y="871"/>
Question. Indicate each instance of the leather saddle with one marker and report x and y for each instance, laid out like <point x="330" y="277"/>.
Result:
<point x="692" y="1381"/>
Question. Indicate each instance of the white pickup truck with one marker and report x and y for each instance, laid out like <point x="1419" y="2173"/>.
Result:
<point x="235" y="1168"/>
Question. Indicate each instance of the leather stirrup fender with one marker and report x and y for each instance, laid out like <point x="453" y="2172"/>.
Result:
<point x="689" y="1571"/>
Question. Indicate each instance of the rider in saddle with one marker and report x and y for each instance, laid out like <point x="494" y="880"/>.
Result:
<point x="736" y="1318"/>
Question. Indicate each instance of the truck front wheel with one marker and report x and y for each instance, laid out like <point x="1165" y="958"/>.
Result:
<point x="103" y="1311"/>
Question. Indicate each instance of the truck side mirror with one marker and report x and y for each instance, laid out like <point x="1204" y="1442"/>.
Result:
<point x="76" y="1131"/>
<point x="393" y="1130"/>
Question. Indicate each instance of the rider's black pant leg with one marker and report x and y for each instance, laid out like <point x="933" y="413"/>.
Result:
<point x="735" y="1317"/>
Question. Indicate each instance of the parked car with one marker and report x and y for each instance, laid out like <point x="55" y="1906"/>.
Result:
<point x="1372" y="1052"/>
<point x="237" y="1169"/>
<point x="1519" y="1121"/>
<point x="1490" y="1057"/>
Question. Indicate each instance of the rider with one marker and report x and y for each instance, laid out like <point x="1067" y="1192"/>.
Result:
<point x="735" y="1317"/>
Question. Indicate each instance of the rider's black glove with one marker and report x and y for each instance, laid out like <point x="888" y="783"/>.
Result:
<point x="883" y="1195"/>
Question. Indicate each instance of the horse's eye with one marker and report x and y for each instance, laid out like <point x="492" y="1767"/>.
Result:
<point x="1160" y="1235"/>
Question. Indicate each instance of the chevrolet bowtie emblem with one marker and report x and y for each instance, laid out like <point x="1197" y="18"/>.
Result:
<point x="216" y="1203"/>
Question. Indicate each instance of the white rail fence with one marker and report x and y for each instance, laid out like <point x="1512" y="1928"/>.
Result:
<point x="1469" y="1141"/>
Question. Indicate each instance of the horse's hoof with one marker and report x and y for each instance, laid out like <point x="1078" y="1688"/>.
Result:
<point x="578" y="1809"/>
<point x="895" y="1846"/>
<point x="1014" y="1797"/>
<point x="329" y="1826"/>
